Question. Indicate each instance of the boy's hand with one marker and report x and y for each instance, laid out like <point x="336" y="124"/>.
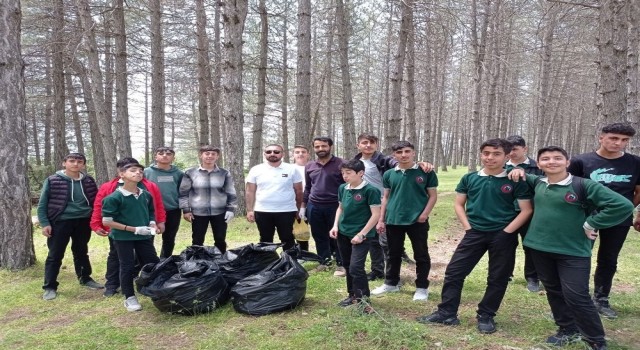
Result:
<point x="426" y="166"/>
<point x="188" y="217"/>
<point x="516" y="174"/>
<point x="102" y="232"/>
<point x="423" y="217"/>
<point x="357" y="239"/>
<point x="46" y="231"/>
<point x="145" y="231"/>
<point x="636" y="224"/>
<point x="591" y="234"/>
<point x="251" y="216"/>
<point x="302" y="214"/>
<point x="333" y="233"/>
<point x="381" y="228"/>
<point x="228" y="216"/>
<point x="160" y="227"/>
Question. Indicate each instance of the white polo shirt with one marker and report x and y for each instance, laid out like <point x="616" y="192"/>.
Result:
<point x="274" y="187"/>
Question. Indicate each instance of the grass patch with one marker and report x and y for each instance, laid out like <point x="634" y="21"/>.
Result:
<point x="82" y="319"/>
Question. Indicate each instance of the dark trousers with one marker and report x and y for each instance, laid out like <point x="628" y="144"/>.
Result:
<point x="353" y="261"/>
<point x="377" y="256"/>
<point x="79" y="232"/>
<point x="321" y="220"/>
<point x="529" y="267"/>
<point x="502" y="249"/>
<point x="418" y="233"/>
<point x="268" y="223"/>
<point x="171" y="227"/>
<point x="199" y="228"/>
<point x="566" y="280"/>
<point x="127" y="252"/>
<point x="611" y="241"/>
<point x="112" y="276"/>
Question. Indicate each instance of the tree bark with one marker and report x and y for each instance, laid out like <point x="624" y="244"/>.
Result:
<point x="285" y="83"/>
<point x="204" y="75"/>
<point x="478" y="43"/>
<point x="410" y="129"/>
<point x="60" y="148"/>
<point x="217" y="84"/>
<point x="16" y="232"/>
<point x="348" y="119"/>
<point x="157" y="75"/>
<point x="256" y="136"/>
<point x="303" y="75"/>
<point x="75" y="116"/>
<point x="123" y="135"/>
<point x="234" y="15"/>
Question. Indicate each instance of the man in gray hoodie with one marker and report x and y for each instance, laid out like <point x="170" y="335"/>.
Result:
<point x="167" y="176"/>
<point x="64" y="211"/>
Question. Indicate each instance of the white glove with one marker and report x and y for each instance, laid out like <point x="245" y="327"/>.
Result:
<point x="228" y="216"/>
<point x="145" y="231"/>
<point x="302" y="214"/>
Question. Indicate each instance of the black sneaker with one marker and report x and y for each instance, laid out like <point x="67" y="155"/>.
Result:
<point x="533" y="285"/>
<point x="91" y="284"/>
<point x="486" y="324"/>
<point x="598" y="346"/>
<point x="564" y="336"/>
<point x="604" y="309"/>
<point x="372" y="276"/>
<point x="109" y="292"/>
<point x="438" y="317"/>
<point x="347" y="301"/>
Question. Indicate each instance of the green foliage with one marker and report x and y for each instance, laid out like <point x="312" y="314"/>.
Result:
<point x="82" y="318"/>
<point x="37" y="174"/>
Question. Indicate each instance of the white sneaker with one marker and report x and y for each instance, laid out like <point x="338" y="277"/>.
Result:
<point x="421" y="294"/>
<point x="340" y="272"/>
<point x="385" y="288"/>
<point x="132" y="304"/>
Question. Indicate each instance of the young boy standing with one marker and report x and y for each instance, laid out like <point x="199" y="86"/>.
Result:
<point x="64" y="211"/>
<point x="354" y="227"/>
<point x="561" y="237"/>
<point x="129" y="212"/>
<point x="167" y="176"/>
<point x="484" y="206"/>
<point x="301" y="229"/>
<point x="409" y="196"/>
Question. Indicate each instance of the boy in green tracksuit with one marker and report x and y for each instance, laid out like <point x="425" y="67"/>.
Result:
<point x="561" y="237"/>
<point x="167" y="176"/>
<point x="354" y="228"/>
<point x="484" y="206"/>
<point x="129" y="212"/>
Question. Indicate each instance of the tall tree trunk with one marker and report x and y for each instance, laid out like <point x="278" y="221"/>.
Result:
<point x="47" y="113"/>
<point x="348" y="119"/>
<point x="285" y="83"/>
<point x="328" y="81"/>
<point x="16" y="232"/>
<point x="57" y="74"/>
<point x="217" y="76"/>
<point x="157" y="75"/>
<point x="395" y="120"/>
<point x="303" y="75"/>
<point x="491" y="118"/>
<point x="103" y="120"/>
<point x="147" y="151"/>
<point x="204" y="74"/>
<point x="478" y="43"/>
<point x="410" y="129"/>
<point x="71" y="94"/>
<point x="544" y="91"/>
<point x="633" y="102"/>
<point x="123" y="135"/>
<point x="258" y="120"/>
<point x="234" y="15"/>
<point x="612" y="43"/>
<point x="109" y="77"/>
<point x="35" y="131"/>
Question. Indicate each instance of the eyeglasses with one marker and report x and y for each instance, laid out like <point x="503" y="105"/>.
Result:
<point x="272" y="151"/>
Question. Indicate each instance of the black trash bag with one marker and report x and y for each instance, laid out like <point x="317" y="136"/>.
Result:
<point x="185" y="287"/>
<point x="297" y="253"/>
<point x="247" y="260"/>
<point x="210" y="253"/>
<point x="279" y="287"/>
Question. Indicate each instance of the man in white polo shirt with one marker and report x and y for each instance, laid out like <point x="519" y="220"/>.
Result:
<point x="273" y="196"/>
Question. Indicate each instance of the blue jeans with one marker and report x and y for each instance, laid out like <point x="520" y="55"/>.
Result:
<point x="566" y="280"/>
<point x="502" y="250"/>
<point x="321" y="220"/>
<point x="354" y="257"/>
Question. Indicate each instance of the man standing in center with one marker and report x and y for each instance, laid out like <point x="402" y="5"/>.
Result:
<point x="273" y="196"/>
<point x="320" y="200"/>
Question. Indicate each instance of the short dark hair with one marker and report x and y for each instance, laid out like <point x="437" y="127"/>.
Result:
<point x="75" y="155"/>
<point x="323" y="139"/>
<point x="619" y="128"/>
<point x="301" y="146"/>
<point x="400" y="145"/>
<point x="367" y="136"/>
<point x="553" y="149"/>
<point x="164" y="149"/>
<point x="208" y="148"/>
<point x="126" y="160"/>
<point x="130" y="165"/>
<point x="353" y="164"/>
<point x="516" y="140"/>
<point x="497" y="143"/>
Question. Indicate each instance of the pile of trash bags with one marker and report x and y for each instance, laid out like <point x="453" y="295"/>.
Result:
<point x="201" y="279"/>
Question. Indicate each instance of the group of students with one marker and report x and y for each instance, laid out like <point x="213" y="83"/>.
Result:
<point x="368" y="205"/>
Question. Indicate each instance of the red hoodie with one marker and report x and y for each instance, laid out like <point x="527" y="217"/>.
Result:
<point x="109" y="187"/>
